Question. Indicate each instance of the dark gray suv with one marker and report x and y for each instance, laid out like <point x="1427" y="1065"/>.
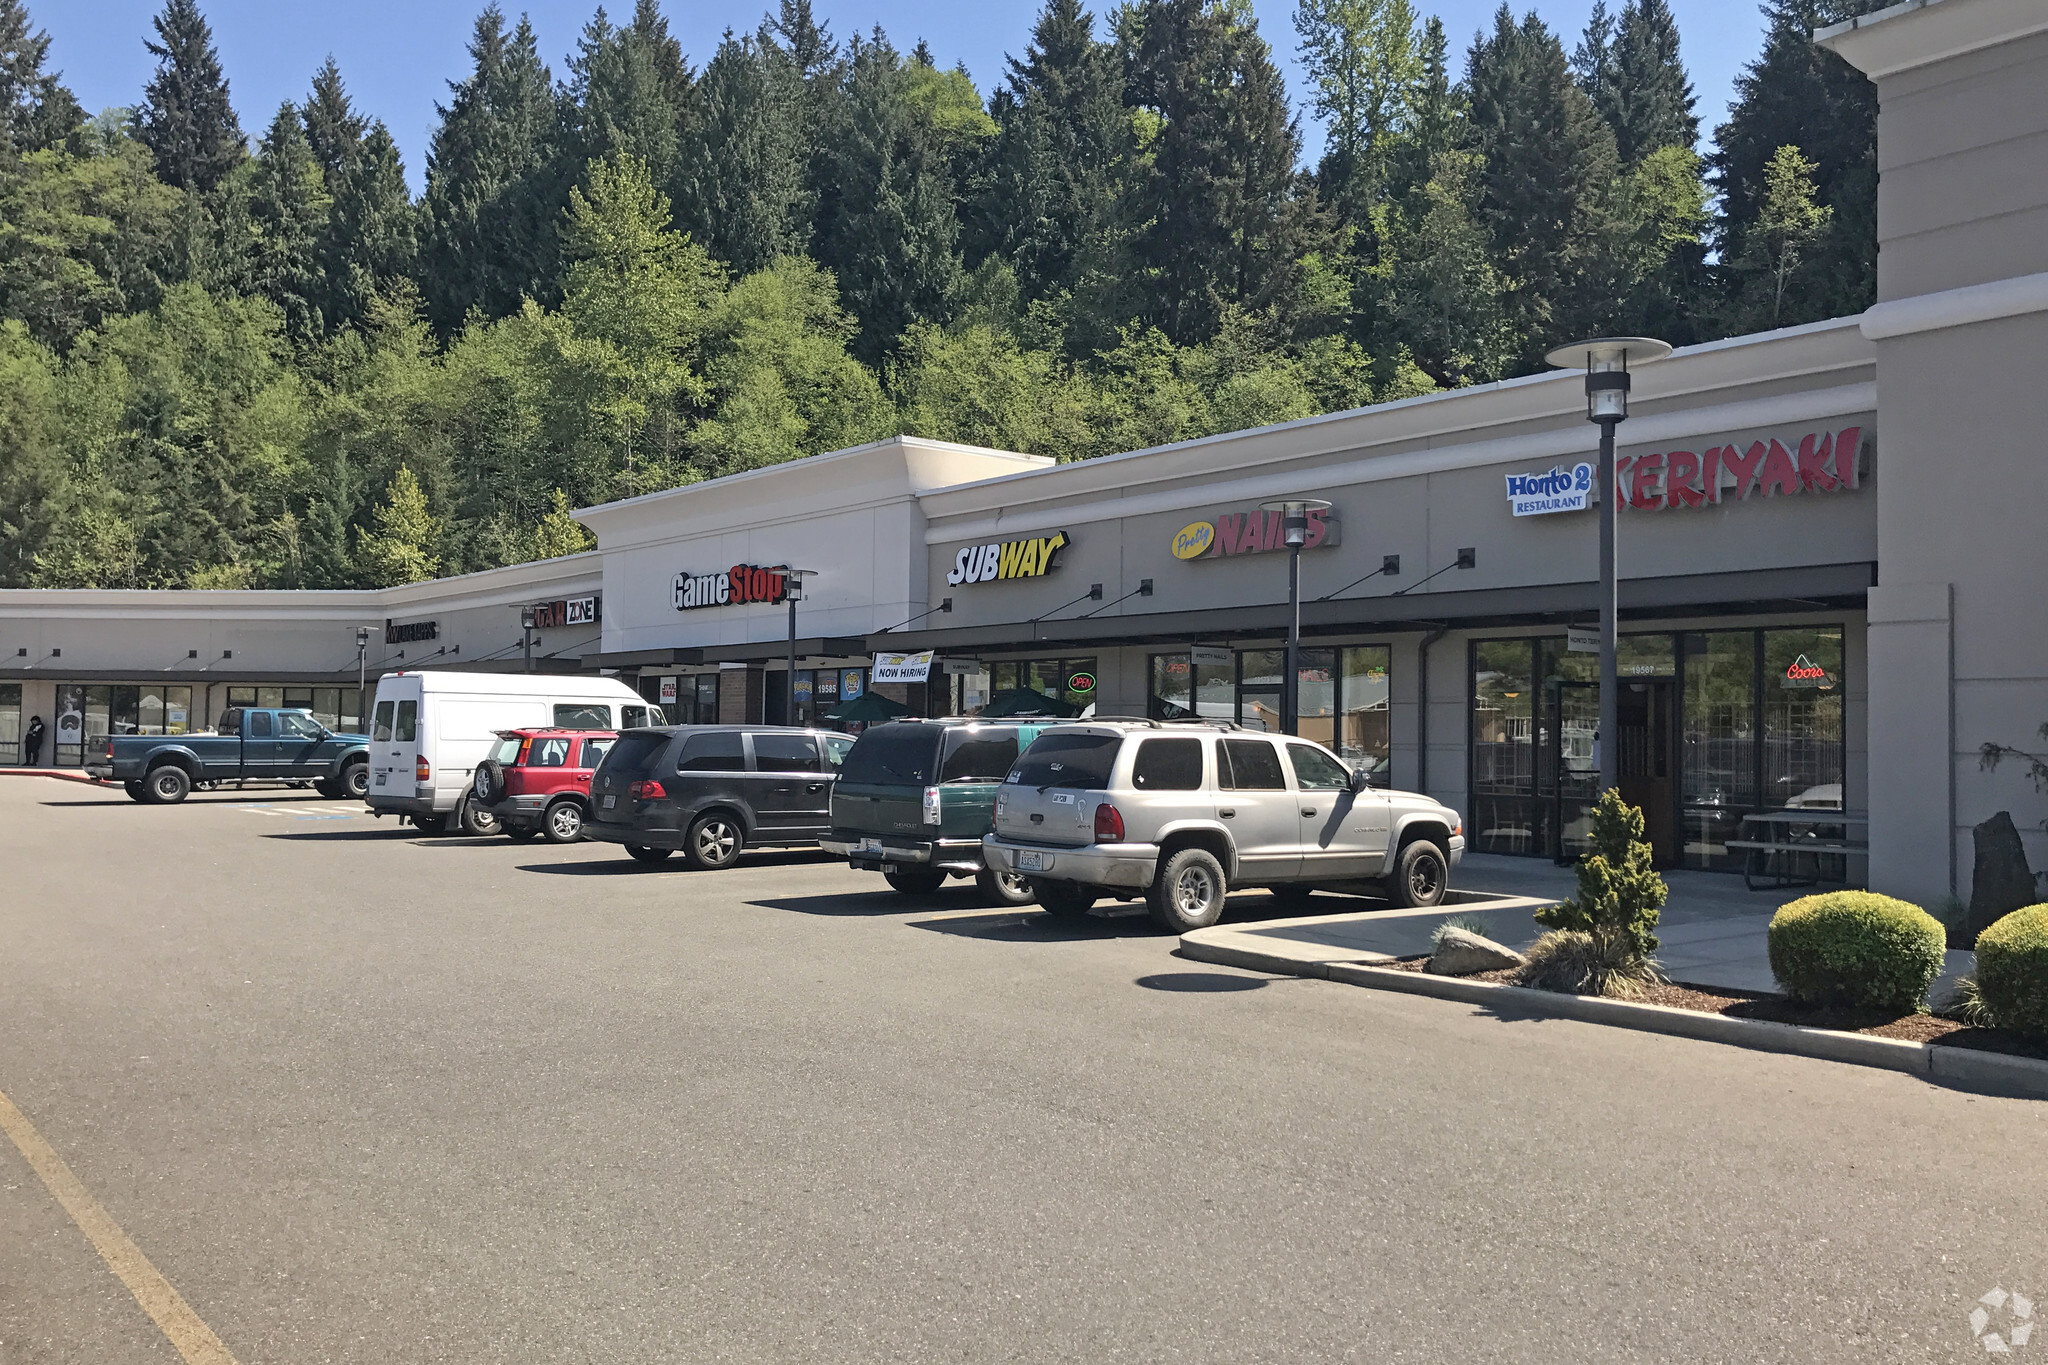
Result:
<point x="713" y="791"/>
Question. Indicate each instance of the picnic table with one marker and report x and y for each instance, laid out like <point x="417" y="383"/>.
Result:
<point x="1786" y="846"/>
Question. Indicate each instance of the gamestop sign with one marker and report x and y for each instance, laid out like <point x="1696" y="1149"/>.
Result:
<point x="740" y="585"/>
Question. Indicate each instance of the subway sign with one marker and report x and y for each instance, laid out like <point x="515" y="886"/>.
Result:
<point x="1248" y="532"/>
<point x="741" y="585"/>
<point x="1032" y="557"/>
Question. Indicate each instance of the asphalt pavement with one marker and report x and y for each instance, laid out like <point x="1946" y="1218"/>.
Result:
<point x="364" y="1096"/>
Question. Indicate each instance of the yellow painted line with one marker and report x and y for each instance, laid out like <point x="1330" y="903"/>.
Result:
<point x="167" y="1308"/>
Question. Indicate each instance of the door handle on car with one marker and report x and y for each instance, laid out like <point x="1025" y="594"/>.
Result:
<point x="1227" y="812"/>
<point x="815" y="787"/>
<point x="1308" y="810"/>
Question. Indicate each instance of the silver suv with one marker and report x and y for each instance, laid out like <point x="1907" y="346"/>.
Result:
<point x="1183" y="813"/>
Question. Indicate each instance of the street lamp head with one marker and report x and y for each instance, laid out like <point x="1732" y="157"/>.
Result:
<point x="1294" y="516"/>
<point x="794" y="587"/>
<point x="362" y="636"/>
<point x="526" y="618"/>
<point x="1606" y="361"/>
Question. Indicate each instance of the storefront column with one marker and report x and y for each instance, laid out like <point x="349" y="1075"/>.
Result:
<point x="1913" y="847"/>
<point x="740" y="693"/>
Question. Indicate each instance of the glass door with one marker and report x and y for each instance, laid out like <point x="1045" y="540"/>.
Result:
<point x="1569" y="771"/>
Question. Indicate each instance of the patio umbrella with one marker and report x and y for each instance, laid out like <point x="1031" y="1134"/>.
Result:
<point x="869" y="708"/>
<point x="1022" y="701"/>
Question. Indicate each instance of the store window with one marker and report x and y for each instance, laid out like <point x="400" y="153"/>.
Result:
<point x="88" y="713"/>
<point x="1803" y="733"/>
<point x="1344" y="696"/>
<point x="1505" y="817"/>
<point x="11" y="723"/>
<point x="1718" y="744"/>
<point x="1072" y="680"/>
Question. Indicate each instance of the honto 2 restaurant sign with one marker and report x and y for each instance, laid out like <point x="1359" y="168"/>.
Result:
<point x="1818" y="462"/>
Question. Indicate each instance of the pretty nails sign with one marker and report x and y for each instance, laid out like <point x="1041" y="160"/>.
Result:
<point x="1818" y="462"/>
<point x="1250" y="532"/>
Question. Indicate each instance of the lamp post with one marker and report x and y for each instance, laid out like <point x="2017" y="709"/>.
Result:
<point x="526" y="636"/>
<point x="793" y="589"/>
<point x="1294" y="531"/>
<point x="1606" y="361"/>
<point x="362" y="649"/>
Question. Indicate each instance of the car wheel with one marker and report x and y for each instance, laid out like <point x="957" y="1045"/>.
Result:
<point x="714" y="842"/>
<point x="489" y="782"/>
<point x="1007" y="887"/>
<point x="915" y="881"/>
<point x="1421" y="877"/>
<point x="355" y="782"/>
<point x="475" y="821"/>
<point x="640" y="853"/>
<point x="1064" y="900"/>
<point x="136" y="791"/>
<point x="1189" y="891"/>
<point x="563" y="824"/>
<point x="167" y="786"/>
<point x="430" y="824"/>
<point x="1292" y="895"/>
<point x="521" y="834"/>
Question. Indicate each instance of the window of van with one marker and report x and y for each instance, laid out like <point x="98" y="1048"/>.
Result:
<point x="381" y="731"/>
<point x="405" y="730"/>
<point x="1168" y="765"/>
<point x="636" y="753"/>
<point x="581" y="716"/>
<point x="785" y="753"/>
<point x="632" y="717"/>
<point x="715" y="751"/>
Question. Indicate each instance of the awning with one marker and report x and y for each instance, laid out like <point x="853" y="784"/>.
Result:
<point x="1806" y="588"/>
<point x="756" y="651"/>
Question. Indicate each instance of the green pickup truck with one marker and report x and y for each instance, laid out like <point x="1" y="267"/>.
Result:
<point x="250" y="745"/>
<point x="914" y="798"/>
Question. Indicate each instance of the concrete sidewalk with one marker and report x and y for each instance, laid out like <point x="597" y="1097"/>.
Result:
<point x="1713" y="927"/>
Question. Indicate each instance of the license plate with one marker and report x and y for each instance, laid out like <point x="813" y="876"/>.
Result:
<point x="609" y="802"/>
<point x="381" y="777"/>
<point x="868" y="848"/>
<point x="1030" y="861"/>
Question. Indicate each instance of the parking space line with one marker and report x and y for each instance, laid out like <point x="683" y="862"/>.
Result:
<point x="194" y="1340"/>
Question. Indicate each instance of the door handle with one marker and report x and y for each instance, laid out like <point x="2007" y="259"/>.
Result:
<point x="815" y="787"/>
<point x="1227" y="812"/>
<point x="1308" y="810"/>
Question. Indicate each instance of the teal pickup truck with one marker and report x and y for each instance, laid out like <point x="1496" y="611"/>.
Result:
<point x="250" y="745"/>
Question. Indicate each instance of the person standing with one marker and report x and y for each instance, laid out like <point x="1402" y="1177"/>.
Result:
<point x="32" y="742"/>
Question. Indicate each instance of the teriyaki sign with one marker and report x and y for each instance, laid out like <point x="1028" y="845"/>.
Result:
<point x="1560" y="490"/>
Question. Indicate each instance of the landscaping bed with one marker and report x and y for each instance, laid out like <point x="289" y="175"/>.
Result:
<point x="1778" y="1009"/>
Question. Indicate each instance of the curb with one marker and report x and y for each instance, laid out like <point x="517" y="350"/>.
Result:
<point x="1965" y="1067"/>
<point x="58" y="773"/>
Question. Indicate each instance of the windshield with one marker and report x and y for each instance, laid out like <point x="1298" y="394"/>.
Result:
<point x="894" y="755"/>
<point x="1068" y="760"/>
<point x="507" y="752"/>
<point x="636" y="751"/>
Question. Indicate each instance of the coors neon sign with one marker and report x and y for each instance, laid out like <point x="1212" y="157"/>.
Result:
<point x="1818" y="462"/>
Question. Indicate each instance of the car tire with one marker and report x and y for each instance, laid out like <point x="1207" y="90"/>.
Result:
<point x="167" y="785"/>
<point x="1292" y="895"/>
<point x="641" y="853"/>
<point x="521" y="834"/>
<point x="135" y="791"/>
<point x="1189" y="892"/>
<point x="1422" y="874"/>
<point x="354" y="784"/>
<point x="1007" y="887"/>
<point x="714" y="842"/>
<point x="915" y="881"/>
<point x="488" y="782"/>
<point x="1064" y="900"/>
<point x="563" y="822"/>
<point x="475" y="820"/>
<point x="430" y="824"/>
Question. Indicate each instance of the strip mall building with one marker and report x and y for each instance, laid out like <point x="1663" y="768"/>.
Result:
<point x="1829" y="539"/>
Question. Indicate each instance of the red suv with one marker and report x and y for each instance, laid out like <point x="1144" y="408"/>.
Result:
<point x="538" y="781"/>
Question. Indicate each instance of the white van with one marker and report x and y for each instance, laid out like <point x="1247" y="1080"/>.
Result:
<point x="431" y="729"/>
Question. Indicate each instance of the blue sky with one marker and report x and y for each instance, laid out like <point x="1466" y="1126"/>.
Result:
<point x="397" y="55"/>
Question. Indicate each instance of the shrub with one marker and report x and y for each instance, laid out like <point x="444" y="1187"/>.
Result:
<point x="1577" y="963"/>
<point x="1856" y="948"/>
<point x="2012" y="971"/>
<point x="1616" y="910"/>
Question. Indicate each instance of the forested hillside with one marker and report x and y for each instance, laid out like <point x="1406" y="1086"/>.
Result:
<point x="249" y="357"/>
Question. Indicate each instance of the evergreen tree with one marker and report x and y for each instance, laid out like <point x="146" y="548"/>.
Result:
<point x="1548" y="171"/>
<point x="1796" y="94"/>
<point x="36" y="110"/>
<point x="1048" y="203"/>
<point x="1647" y="99"/>
<point x="887" y="227"/>
<point x="186" y="117"/>
<point x="806" y="42"/>
<point x="288" y="204"/>
<point x="1364" y="58"/>
<point x="1223" y="221"/>
<point x="743" y="187"/>
<point x="489" y="210"/>
<point x="404" y="547"/>
<point x="372" y="231"/>
<point x="334" y="130"/>
<point x="628" y="93"/>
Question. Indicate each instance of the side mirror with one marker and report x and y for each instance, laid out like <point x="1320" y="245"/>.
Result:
<point x="1359" y="780"/>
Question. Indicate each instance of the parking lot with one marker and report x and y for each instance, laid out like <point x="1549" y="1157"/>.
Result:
<point x="360" y="1095"/>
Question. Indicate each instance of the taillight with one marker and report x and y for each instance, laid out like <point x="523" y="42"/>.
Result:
<point x="931" y="805"/>
<point x="648" y="790"/>
<point x="1109" y="824"/>
<point x="420" y="771"/>
<point x="110" y="746"/>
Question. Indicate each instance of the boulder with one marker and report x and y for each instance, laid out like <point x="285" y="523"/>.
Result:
<point x="2000" y="881"/>
<point x="1460" y="952"/>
